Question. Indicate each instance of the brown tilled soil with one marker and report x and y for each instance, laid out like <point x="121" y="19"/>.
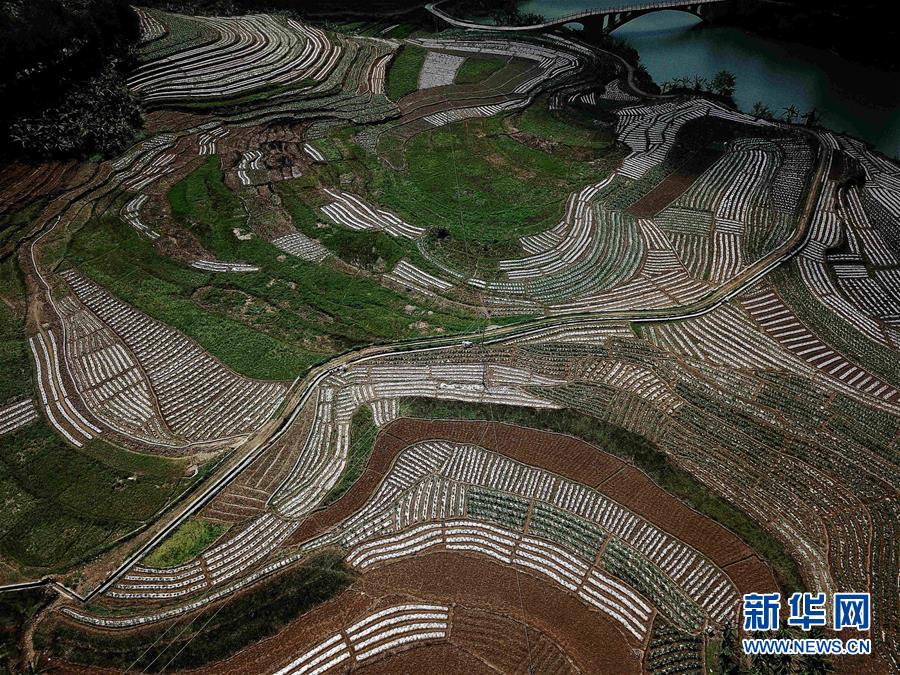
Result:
<point x="569" y="457"/>
<point x="441" y="657"/>
<point x="494" y="607"/>
<point x="668" y="190"/>
<point x="476" y="589"/>
<point x="246" y="496"/>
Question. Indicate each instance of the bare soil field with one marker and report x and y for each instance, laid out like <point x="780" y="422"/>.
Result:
<point x="475" y="589"/>
<point x="569" y="457"/>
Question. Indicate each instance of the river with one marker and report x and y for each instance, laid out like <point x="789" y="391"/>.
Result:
<point x="850" y="97"/>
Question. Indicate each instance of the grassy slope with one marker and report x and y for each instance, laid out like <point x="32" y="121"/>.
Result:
<point x="15" y="357"/>
<point x="638" y="451"/>
<point x="539" y="121"/>
<point x="246" y="619"/>
<point x="185" y="542"/>
<point x="484" y="187"/>
<point x="472" y="184"/>
<point x="479" y="190"/>
<point x="475" y="70"/>
<point x="403" y="73"/>
<point x="271" y="324"/>
<point x="362" y="440"/>
<point x="114" y="255"/>
<point x="375" y="251"/>
<point x="64" y="504"/>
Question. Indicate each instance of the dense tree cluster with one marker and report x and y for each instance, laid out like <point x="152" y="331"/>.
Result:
<point x="61" y="82"/>
<point x="856" y="29"/>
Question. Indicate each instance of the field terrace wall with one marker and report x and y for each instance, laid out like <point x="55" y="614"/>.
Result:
<point x="602" y="258"/>
<point x="568" y="458"/>
<point x="497" y="621"/>
<point x="292" y="480"/>
<point x="150" y="379"/>
<point x="850" y="263"/>
<point x="250" y="52"/>
<point x="793" y="419"/>
<point x="553" y="62"/>
<point x="352" y="90"/>
<point x="650" y="130"/>
<point x="388" y="629"/>
<point x="414" y="630"/>
<point x="60" y="408"/>
<point x="324" y="454"/>
<point x="689" y="397"/>
<point x="531" y="67"/>
<point x="17" y="415"/>
<point x="151" y="27"/>
<point x="256" y="69"/>
<point x="467" y="499"/>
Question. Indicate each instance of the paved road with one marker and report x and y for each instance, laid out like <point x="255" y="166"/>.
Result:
<point x="433" y="8"/>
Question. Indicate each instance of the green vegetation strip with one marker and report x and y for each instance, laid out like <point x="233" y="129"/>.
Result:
<point x="475" y="70"/>
<point x="497" y="507"/>
<point x="63" y="505"/>
<point x="16" y="610"/>
<point x="573" y="532"/>
<point x="271" y="324"/>
<point x="183" y="544"/>
<point x="637" y="450"/>
<point x="217" y="633"/>
<point x="362" y="440"/>
<point x="403" y="73"/>
<point x="15" y="357"/>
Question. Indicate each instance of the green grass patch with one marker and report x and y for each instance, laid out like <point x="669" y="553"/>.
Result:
<point x="15" y="357"/>
<point x="202" y="203"/>
<point x="362" y="440"/>
<point x="62" y="505"/>
<point x="271" y="324"/>
<point x="189" y="539"/>
<point x="478" y="189"/>
<point x="215" y="633"/>
<point x="568" y="129"/>
<point x="476" y="69"/>
<point x="403" y="73"/>
<point x="634" y="449"/>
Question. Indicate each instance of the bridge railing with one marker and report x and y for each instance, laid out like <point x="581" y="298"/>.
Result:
<point x="572" y="18"/>
<point x="619" y="9"/>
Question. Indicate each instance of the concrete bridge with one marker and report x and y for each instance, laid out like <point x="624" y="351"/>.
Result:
<point x="599" y="20"/>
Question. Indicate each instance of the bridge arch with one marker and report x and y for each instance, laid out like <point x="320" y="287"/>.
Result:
<point x="599" y="20"/>
<point x="607" y="23"/>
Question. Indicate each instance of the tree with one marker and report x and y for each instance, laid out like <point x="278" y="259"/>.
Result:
<point x="761" y="110"/>
<point x="791" y="113"/>
<point x="724" y="82"/>
<point x="699" y="83"/>
<point x="811" y="117"/>
<point x="729" y="659"/>
<point x="814" y="664"/>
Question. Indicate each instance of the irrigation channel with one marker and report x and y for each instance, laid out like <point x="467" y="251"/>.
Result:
<point x="850" y="97"/>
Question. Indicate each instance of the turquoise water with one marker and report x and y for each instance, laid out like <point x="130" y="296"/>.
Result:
<point x="849" y="96"/>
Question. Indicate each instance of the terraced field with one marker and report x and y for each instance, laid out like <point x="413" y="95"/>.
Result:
<point x="447" y="351"/>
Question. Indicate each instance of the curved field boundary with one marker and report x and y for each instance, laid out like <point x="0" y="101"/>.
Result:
<point x="569" y="457"/>
<point x="468" y="585"/>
